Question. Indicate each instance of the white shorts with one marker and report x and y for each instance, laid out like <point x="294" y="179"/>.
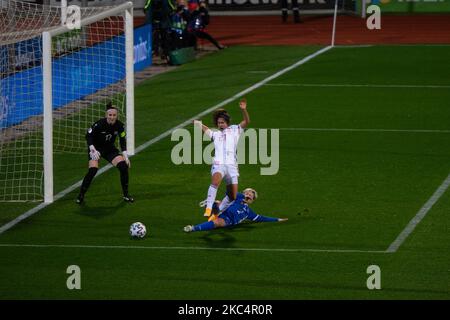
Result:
<point x="230" y="173"/>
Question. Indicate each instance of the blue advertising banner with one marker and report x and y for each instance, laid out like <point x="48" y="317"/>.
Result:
<point x="87" y="71"/>
<point x="74" y="76"/>
<point x="142" y="47"/>
<point x="27" y="53"/>
<point x="20" y="96"/>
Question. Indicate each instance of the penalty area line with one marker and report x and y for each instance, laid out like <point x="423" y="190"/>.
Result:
<point x="6" y="245"/>
<point x="63" y="193"/>
<point x="419" y="216"/>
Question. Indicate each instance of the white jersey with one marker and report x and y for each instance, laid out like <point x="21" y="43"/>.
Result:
<point x="225" y="144"/>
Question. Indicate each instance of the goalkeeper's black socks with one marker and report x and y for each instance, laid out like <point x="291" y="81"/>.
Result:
<point x="123" y="168"/>
<point x="86" y="183"/>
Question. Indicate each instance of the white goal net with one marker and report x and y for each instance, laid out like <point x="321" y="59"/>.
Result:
<point x="72" y="73"/>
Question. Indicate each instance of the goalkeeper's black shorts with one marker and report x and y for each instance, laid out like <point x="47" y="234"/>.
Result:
<point x="107" y="153"/>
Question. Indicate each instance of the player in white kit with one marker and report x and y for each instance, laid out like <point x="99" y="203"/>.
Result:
<point x="224" y="165"/>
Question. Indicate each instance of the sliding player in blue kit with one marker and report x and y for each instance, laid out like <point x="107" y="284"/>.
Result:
<point x="237" y="212"/>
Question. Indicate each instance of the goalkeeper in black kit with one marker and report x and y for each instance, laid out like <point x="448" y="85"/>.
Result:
<point x="101" y="137"/>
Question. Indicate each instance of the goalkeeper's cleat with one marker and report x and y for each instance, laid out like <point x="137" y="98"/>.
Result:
<point x="202" y="204"/>
<point x="213" y="217"/>
<point x="207" y="212"/>
<point x="80" y="199"/>
<point x="188" y="228"/>
<point x="128" y="198"/>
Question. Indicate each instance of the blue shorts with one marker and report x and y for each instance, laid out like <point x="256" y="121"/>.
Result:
<point x="226" y="218"/>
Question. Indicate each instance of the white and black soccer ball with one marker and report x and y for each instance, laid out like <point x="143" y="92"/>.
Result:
<point x="138" y="230"/>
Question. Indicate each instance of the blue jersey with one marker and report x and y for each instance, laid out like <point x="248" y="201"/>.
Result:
<point x="239" y="211"/>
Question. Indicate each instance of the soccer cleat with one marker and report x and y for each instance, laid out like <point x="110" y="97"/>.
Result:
<point x="213" y="217"/>
<point x="207" y="212"/>
<point x="80" y="199"/>
<point x="202" y="204"/>
<point x="188" y="228"/>
<point x="128" y="198"/>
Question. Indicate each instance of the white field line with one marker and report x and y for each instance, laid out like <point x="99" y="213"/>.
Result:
<point x="365" y="130"/>
<point x="5" y="245"/>
<point x="398" y="45"/>
<point x="419" y="216"/>
<point x="63" y="193"/>
<point x="349" y="85"/>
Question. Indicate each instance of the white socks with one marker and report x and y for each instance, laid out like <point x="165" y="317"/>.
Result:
<point x="224" y="204"/>
<point x="212" y="191"/>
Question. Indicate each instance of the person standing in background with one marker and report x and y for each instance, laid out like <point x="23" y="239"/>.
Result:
<point x="157" y="13"/>
<point x="295" y="11"/>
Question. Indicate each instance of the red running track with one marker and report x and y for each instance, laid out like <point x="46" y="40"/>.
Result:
<point x="350" y="30"/>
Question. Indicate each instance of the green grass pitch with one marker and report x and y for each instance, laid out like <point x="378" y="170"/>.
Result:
<point x="347" y="193"/>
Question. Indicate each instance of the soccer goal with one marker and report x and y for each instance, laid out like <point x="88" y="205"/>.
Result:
<point x="54" y="83"/>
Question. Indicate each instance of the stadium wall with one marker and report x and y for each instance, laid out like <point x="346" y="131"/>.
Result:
<point x="234" y="7"/>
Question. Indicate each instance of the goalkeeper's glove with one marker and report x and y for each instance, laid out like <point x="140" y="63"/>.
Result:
<point x="93" y="153"/>
<point x="127" y="161"/>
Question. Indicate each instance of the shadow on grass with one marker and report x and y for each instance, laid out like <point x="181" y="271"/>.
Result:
<point x="164" y="193"/>
<point x="99" y="212"/>
<point x="223" y="237"/>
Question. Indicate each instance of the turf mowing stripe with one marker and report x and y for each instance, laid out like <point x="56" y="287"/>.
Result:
<point x="188" y="248"/>
<point x="363" y="130"/>
<point x="419" y="216"/>
<point x="32" y="211"/>
<point x="332" y="85"/>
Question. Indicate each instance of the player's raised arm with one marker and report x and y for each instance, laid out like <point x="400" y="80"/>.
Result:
<point x="243" y="105"/>
<point x="205" y="129"/>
